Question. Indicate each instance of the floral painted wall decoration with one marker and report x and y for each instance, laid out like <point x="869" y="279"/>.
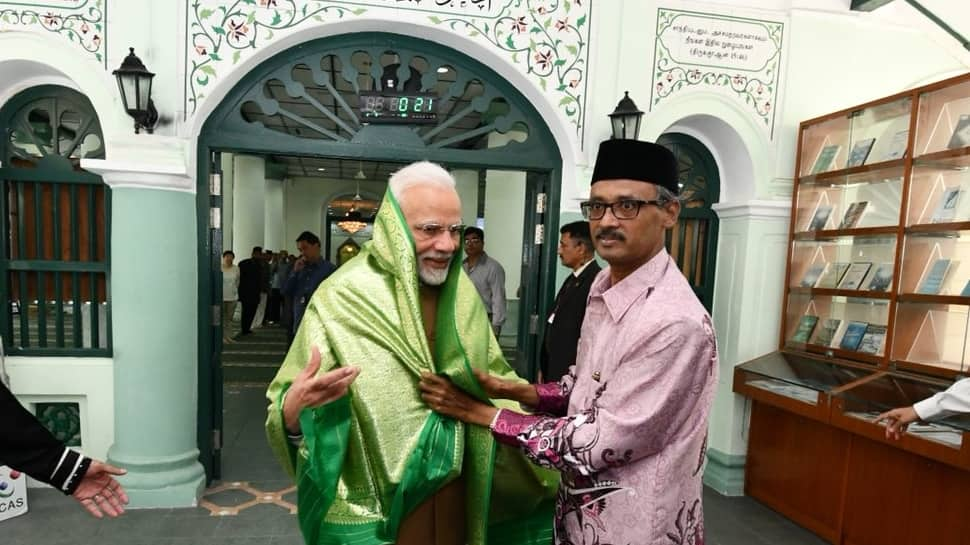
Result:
<point x="547" y="40"/>
<point x="733" y="56"/>
<point x="80" y="22"/>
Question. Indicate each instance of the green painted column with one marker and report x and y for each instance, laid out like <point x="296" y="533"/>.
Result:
<point x="154" y="297"/>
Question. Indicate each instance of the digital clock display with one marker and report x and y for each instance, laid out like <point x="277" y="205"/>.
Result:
<point x="393" y="107"/>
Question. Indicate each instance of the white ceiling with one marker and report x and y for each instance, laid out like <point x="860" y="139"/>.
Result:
<point x="955" y="13"/>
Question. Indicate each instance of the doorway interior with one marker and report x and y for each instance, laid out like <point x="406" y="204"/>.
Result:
<point x="367" y="100"/>
<point x="336" y="198"/>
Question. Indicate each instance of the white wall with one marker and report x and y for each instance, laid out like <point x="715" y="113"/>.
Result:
<point x="305" y="201"/>
<point x="273" y="216"/>
<point x="504" y="214"/>
<point x="249" y="209"/>
<point x="466" y="182"/>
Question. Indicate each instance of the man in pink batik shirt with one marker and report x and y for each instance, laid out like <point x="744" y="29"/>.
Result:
<point x="627" y="427"/>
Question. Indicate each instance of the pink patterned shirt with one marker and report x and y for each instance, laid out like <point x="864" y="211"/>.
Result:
<point x="627" y="427"/>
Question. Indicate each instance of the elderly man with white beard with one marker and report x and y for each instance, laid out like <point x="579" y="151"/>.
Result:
<point x="377" y="466"/>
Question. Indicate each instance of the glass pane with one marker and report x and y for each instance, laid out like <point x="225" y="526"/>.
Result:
<point x="91" y="146"/>
<point x="849" y="263"/>
<point x="936" y="263"/>
<point x="825" y="146"/>
<point x="853" y="324"/>
<point x="931" y="334"/>
<point x="131" y="96"/>
<point x="872" y="397"/>
<point x="938" y="191"/>
<point x="943" y="121"/>
<point x="880" y="133"/>
<point x="869" y="199"/>
<point x="798" y="376"/>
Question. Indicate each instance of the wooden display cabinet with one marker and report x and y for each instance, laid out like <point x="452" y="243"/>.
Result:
<point x="876" y="315"/>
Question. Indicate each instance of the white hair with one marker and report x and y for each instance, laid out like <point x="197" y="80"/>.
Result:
<point x="422" y="173"/>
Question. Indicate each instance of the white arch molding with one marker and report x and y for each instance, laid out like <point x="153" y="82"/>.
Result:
<point x="731" y="135"/>
<point x="28" y="59"/>
<point x="563" y="133"/>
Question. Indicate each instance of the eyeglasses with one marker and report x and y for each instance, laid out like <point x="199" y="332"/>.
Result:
<point x="624" y="209"/>
<point x="472" y="241"/>
<point x="433" y="230"/>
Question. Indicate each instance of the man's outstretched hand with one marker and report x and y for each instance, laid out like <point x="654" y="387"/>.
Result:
<point x="99" y="493"/>
<point x="312" y="390"/>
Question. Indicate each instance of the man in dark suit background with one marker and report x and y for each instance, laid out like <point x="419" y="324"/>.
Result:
<point x="566" y="318"/>
<point x="250" y="287"/>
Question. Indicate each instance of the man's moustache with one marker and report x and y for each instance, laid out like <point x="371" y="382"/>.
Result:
<point x="610" y="233"/>
<point x="444" y="256"/>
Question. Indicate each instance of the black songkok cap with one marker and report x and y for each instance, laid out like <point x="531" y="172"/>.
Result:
<point x="636" y="160"/>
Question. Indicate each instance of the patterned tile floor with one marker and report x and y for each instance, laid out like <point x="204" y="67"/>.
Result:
<point x="254" y="505"/>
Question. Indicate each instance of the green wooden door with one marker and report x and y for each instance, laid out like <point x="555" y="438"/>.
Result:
<point x="693" y="241"/>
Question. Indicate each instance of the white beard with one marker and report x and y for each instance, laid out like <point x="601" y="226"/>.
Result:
<point x="431" y="276"/>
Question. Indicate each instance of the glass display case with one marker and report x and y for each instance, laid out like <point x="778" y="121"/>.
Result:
<point x="868" y="399"/>
<point x="876" y="315"/>
<point x="795" y="381"/>
<point x="879" y="258"/>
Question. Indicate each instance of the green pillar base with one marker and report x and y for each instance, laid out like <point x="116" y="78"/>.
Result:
<point x="154" y="482"/>
<point x="725" y="472"/>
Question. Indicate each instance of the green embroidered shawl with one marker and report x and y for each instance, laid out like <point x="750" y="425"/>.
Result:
<point x="370" y="458"/>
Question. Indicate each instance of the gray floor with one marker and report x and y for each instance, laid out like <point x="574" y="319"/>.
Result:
<point x="247" y="460"/>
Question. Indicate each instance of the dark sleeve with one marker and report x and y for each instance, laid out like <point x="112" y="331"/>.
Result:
<point x="26" y="445"/>
<point x="289" y="285"/>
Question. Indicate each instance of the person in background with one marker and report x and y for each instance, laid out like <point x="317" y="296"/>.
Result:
<point x="487" y="275"/>
<point x="564" y="322"/>
<point x="27" y="446"/>
<point x="953" y="400"/>
<point x="278" y="274"/>
<point x="308" y="272"/>
<point x="230" y="293"/>
<point x="627" y="426"/>
<point x="250" y="287"/>
<point x="266" y="280"/>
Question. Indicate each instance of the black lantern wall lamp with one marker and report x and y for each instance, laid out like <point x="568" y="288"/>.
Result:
<point x="626" y="119"/>
<point x="135" y="84"/>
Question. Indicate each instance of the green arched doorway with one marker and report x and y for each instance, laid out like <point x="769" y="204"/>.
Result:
<point x="317" y="100"/>
<point x="693" y="241"/>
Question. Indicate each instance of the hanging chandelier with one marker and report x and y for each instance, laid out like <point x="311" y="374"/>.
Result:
<point x="351" y="222"/>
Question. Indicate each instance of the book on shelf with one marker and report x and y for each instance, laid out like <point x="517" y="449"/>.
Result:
<point x="897" y="148"/>
<point x="853" y="214"/>
<point x="860" y="152"/>
<point x="933" y="280"/>
<point x="826" y="331"/>
<point x="947" y="207"/>
<point x="823" y="162"/>
<point x="821" y="217"/>
<point x="811" y="276"/>
<point x="832" y="274"/>
<point x="961" y="134"/>
<point x="881" y="278"/>
<point x="854" y="332"/>
<point x="839" y="334"/>
<point x="805" y="327"/>
<point x="854" y="276"/>
<point x="873" y="339"/>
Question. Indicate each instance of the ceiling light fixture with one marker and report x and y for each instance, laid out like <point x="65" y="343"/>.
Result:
<point x="351" y="222"/>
